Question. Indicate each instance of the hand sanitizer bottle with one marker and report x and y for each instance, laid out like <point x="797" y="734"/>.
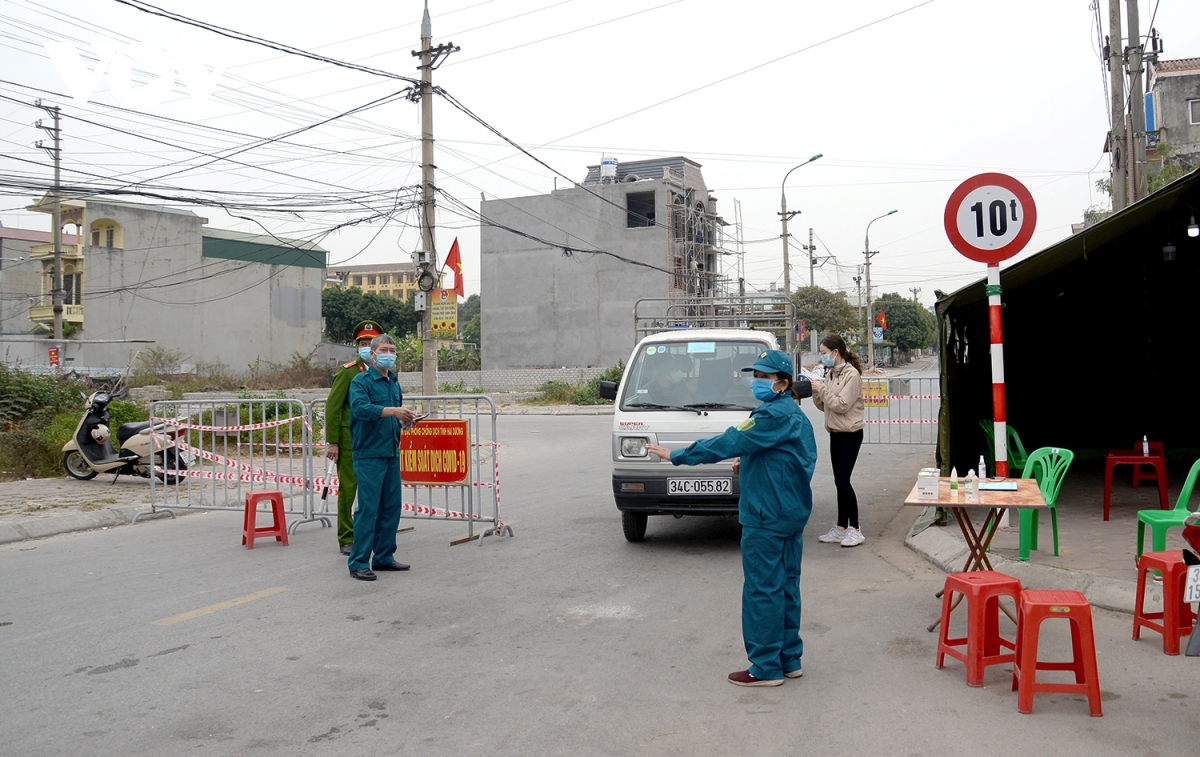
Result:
<point x="1145" y="446"/>
<point x="982" y="468"/>
<point x="953" y="484"/>
<point x="969" y="486"/>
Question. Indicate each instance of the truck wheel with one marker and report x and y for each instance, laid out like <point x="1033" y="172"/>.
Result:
<point x="634" y="525"/>
<point x="76" y="466"/>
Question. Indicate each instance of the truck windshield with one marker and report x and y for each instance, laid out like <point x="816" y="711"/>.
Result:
<point x="692" y="375"/>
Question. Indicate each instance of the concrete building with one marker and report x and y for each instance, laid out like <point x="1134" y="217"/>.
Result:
<point x="656" y="233"/>
<point x="136" y="272"/>
<point x="21" y="277"/>
<point x="1173" y="112"/>
<point x="397" y="280"/>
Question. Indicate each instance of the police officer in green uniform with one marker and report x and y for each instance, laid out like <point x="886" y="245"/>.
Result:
<point x="337" y="430"/>
<point x="778" y="454"/>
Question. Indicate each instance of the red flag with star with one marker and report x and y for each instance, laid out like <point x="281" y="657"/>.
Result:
<point x="454" y="261"/>
<point x="881" y="319"/>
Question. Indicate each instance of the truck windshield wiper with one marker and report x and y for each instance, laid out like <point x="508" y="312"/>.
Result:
<point x="657" y="406"/>
<point x="712" y="405"/>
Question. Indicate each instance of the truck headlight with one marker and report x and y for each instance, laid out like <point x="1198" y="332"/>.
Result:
<point x="633" y="446"/>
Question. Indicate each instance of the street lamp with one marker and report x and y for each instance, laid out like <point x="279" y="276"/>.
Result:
<point x="784" y="215"/>
<point x="870" y="334"/>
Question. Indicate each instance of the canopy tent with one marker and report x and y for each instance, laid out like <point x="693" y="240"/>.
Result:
<point x="1097" y="330"/>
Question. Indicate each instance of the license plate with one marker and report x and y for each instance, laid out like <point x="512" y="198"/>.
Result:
<point x="1191" y="591"/>
<point x="185" y="456"/>
<point x="700" y="486"/>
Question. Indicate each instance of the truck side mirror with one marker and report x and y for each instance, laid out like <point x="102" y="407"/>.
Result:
<point x="608" y="390"/>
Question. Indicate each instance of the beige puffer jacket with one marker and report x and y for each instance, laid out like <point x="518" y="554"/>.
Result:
<point x="840" y="396"/>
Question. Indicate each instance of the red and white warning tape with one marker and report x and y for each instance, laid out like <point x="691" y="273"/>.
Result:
<point x="228" y="429"/>
<point x="900" y="421"/>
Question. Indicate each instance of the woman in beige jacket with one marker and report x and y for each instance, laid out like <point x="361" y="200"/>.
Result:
<point x="840" y="397"/>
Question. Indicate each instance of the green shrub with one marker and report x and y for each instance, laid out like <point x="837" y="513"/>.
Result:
<point x="613" y="374"/>
<point x="23" y="394"/>
<point x="121" y="412"/>
<point x="458" y="387"/>
<point x="34" y="450"/>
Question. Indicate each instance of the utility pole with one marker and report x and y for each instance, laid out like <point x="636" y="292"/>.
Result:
<point x="785" y="216"/>
<point x="858" y="284"/>
<point x="56" y="295"/>
<point x="426" y="258"/>
<point x="1137" y="108"/>
<point x="1116" y="72"/>
<point x="870" y="305"/>
<point x="787" y="266"/>
<point x="915" y="291"/>
<point x="812" y="259"/>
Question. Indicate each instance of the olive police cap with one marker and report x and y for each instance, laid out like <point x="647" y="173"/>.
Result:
<point x="367" y="330"/>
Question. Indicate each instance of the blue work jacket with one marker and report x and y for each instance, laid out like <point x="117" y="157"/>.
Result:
<point x="370" y="434"/>
<point x="779" y="454"/>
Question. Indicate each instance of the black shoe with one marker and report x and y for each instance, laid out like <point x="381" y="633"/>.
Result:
<point x="391" y="566"/>
<point x="345" y="548"/>
<point x="363" y="575"/>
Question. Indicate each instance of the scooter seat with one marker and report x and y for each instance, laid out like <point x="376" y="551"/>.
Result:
<point x="129" y="429"/>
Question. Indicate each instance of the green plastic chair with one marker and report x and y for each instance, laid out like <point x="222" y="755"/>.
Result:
<point x="1160" y="520"/>
<point x="1017" y="456"/>
<point x="1049" y="466"/>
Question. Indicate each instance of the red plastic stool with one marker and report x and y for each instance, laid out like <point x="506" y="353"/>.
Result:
<point x="1034" y="607"/>
<point x="982" y="589"/>
<point x="278" y="527"/>
<point x="1176" y="616"/>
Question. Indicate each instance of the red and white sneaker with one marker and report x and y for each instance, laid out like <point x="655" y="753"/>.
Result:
<point x="743" y="678"/>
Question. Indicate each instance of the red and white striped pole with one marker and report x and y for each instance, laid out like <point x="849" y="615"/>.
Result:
<point x="1000" y="423"/>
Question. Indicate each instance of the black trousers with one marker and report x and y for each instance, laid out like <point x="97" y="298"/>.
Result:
<point x="843" y="451"/>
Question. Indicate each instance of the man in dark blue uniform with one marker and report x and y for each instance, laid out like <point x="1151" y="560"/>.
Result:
<point x="376" y="413"/>
<point x="778" y="455"/>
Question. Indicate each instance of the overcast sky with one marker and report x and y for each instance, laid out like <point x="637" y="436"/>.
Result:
<point x="904" y="98"/>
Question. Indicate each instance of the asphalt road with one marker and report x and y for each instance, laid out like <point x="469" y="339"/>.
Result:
<point x="563" y="640"/>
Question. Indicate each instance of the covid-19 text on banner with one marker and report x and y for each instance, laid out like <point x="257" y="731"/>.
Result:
<point x="435" y="452"/>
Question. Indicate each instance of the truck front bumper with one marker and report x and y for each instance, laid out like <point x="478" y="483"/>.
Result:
<point x="646" y="492"/>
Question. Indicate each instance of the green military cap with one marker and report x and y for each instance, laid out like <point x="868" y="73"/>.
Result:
<point x="367" y="330"/>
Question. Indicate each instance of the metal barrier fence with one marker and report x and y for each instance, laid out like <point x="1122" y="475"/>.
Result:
<point x="215" y="451"/>
<point x="222" y="449"/>
<point x="476" y="501"/>
<point x="901" y="410"/>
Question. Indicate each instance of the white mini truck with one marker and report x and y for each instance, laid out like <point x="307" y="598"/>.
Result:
<point x="679" y="386"/>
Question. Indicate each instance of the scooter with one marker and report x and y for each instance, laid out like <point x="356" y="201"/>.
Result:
<point x="90" y="451"/>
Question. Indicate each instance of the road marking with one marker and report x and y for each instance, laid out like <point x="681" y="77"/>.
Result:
<point x="219" y="606"/>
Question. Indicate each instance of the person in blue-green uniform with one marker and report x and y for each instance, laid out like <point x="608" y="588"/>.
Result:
<point x="778" y="454"/>
<point x="337" y="430"/>
<point x="376" y="413"/>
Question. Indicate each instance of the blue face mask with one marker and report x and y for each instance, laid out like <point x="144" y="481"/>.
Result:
<point x="827" y="360"/>
<point x="385" y="361"/>
<point x="365" y="353"/>
<point x="763" y="389"/>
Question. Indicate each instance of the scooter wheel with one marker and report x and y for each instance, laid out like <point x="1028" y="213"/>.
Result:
<point x="76" y="466"/>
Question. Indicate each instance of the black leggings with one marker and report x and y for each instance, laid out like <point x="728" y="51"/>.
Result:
<point x="843" y="451"/>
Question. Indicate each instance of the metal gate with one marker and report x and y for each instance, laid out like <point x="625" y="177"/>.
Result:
<point x="221" y="449"/>
<point x="901" y="410"/>
<point x="477" y="501"/>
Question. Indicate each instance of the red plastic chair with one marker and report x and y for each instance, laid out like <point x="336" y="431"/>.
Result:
<point x="1037" y="605"/>
<point x="984" y="645"/>
<point x="278" y="527"/>
<point x="1176" y="616"/>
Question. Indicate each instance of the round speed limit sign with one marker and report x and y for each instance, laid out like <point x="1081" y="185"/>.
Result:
<point x="990" y="217"/>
